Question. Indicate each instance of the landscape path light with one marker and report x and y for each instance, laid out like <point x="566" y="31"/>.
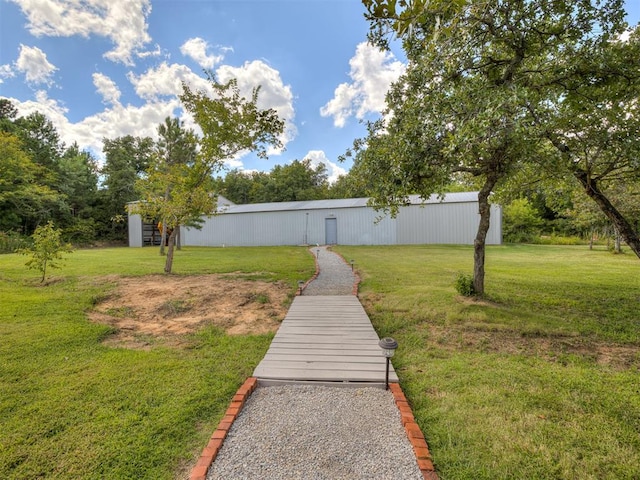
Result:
<point x="388" y="346"/>
<point x="352" y="262"/>
<point x="300" y="285"/>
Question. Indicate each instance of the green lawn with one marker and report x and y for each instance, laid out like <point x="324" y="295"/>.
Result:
<point x="71" y="407"/>
<point x="540" y="381"/>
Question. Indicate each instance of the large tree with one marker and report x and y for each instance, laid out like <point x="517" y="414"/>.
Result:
<point x="481" y="74"/>
<point x="25" y="201"/>
<point x="230" y="124"/>
<point x="594" y="121"/>
<point x="126" y="158"/>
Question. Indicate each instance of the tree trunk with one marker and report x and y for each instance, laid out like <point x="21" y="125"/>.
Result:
<point x="178" y="239"/>
<point x="163" y="240"/>
<point x="484" y="208"/>
<point x="621" y="225"/>
<point x="163" y="237"/>
<point x="169" y="263"/>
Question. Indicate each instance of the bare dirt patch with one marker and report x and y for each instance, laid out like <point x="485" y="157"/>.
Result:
<point x="146" y="309"/>
<point x="551" y="347"/>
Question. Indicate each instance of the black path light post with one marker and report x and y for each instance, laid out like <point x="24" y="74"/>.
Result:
<point x="352" y="262"/>
<point x="388" y="346"/>
<point x="300" y="285"/>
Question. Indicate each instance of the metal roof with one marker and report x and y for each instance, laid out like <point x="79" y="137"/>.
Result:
<point x="230" y="207"/>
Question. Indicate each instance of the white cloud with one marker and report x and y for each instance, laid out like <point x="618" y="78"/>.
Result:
<point x="273" y="93"/>
<point x="333" y="169"/>
<point x="110" y="123"/>
<point x="196" y="48"/>
<point x="166" y="80"/>
<point x="159" y="88"/>
<point x="122" y="21"/>
<point x="6" y="71"/>
<point x="34" y="64"/>
<point x="372" y="72"/>
<point x="107" y="88"/>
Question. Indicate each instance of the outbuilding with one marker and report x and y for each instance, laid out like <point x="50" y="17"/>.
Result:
<point x="450" y="220"/>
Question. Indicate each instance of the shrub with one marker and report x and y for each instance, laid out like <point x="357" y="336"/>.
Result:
<point x="11" y="242"/>
<point x="47" y="249"/>
<point x="464" y="285"/>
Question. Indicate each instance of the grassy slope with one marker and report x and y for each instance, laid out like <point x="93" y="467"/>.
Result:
<point x="73" y="408"/>
<point x="495" y="385"/>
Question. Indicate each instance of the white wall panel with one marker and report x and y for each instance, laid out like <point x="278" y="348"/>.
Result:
<point x="135" y="230"/>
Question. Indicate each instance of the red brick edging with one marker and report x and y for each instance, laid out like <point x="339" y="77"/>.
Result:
<point x="414" y="434"/>
<point x="299" y="290"/>
<point x="210" y="452"/>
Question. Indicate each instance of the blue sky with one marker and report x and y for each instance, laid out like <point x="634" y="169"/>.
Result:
<point x="108" y="68"/>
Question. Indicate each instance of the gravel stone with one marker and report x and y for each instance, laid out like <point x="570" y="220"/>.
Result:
<point x="335" y="277"/>
<point x="317" y="433"/>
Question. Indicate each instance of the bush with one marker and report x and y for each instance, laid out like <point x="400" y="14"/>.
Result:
<point x="558" y="240"/>
<point x="47" y="249"/>
<point x="464" y="285"/>
<point x="83" y="232"/>
<point x="11" y="242"/>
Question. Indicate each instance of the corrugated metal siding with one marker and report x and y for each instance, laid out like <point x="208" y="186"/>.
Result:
<point x="356" y="226"/>
<point x="448" y="223"/>
<point x="135" y="230"/>
<point x="453" y="221"/>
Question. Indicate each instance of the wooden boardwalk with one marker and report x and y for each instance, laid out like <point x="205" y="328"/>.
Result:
<point x="326" y="340"/>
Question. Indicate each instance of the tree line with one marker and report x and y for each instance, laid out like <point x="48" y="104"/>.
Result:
<point x="42" y="179"/>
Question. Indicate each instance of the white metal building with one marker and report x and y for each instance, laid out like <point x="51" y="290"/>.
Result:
<point x="452" y="220"/>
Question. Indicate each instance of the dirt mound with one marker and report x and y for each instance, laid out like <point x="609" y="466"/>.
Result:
<point x="160" y="307"/>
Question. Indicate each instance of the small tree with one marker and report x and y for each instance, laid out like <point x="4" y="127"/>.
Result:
<point x="181" y="192"/>
<point x="47" y="249"/>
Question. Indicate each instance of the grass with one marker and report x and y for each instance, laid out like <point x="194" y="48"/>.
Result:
<point x="539" y="381"/>
<point x="513" y="387"/>
<point x="71" y="407"/>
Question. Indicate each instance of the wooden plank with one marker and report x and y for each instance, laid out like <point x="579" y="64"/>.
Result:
<point x="325" y="339"/>
<point x="333" y="376"/>
<point x="330" y="352"/>
<point x="304" y="357"/>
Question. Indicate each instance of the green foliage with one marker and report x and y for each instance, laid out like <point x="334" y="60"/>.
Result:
<point x="521" y="221"/>
<point x="296" y="181"/>
<point x="11" y="242"/>
<point x="47" y="249"/>
<point x="82" y="232"/>
<point x="464" y="285"/>
<point x="25" y="196"/>
<point x="178" y="187"/>
<point x="492" y="87"/>
<point x="126" y="158"/>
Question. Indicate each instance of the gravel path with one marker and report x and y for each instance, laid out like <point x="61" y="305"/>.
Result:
<point x="335" y="277"/>
<point x="317" y="433"/>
